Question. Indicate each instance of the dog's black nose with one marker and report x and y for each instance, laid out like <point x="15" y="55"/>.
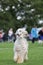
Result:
<point x="18" y="34"/>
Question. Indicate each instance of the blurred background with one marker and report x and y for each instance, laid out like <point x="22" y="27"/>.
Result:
<point x="17" y="13"/>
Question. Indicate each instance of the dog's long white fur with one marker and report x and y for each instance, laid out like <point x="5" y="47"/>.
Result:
<point x="20" y="47"/>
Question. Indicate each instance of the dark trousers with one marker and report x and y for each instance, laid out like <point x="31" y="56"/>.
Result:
<point x="34" y="39"/>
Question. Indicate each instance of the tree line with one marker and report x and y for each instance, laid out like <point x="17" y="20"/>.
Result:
<point x="17" y="13"/>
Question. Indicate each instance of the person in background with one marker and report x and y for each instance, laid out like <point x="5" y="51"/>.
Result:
<point x="10" y="35"/>
<point x="1" y="35"/>
<point x="34" y="34"/>
<point x="40" y="36"/>
<point x="5" y="37"/>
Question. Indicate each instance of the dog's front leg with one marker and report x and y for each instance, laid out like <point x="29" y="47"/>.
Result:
<point x="15" y="56"/>
<point x="20" y="59"/>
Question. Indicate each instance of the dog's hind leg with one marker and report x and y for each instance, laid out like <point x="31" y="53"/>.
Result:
<point x="26" y="56"/>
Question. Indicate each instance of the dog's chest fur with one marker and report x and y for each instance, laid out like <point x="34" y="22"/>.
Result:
<point x="21" y="44"/>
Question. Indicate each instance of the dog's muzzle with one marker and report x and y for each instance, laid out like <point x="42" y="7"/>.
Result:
<point x="18" y="34"/>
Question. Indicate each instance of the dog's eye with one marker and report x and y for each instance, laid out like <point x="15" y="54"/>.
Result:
<point x="19" y="30"/>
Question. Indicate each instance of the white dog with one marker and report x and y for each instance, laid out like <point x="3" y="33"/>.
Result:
<point x="21" y="46"/>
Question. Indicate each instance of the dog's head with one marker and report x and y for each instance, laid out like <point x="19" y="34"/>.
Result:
<point x="21" y="32"/>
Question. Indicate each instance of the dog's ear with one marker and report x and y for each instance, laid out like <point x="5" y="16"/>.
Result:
<point x="26" y="32"/>
<point x="24" y="28"/>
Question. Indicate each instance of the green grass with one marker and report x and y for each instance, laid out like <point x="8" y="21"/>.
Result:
<point x="35" y="54"/>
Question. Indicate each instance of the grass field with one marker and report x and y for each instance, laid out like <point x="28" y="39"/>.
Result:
<point x="35" y="54"/>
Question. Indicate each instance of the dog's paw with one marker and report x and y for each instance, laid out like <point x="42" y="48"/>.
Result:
<point x="15" y="59"/>
<point x="26" y="58"/>
<point x="19" y="60"/>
